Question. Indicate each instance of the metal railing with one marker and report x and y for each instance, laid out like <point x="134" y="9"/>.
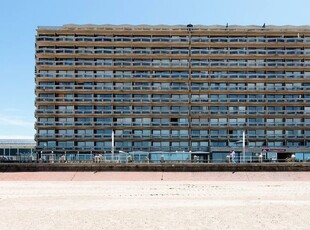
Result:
<point x="142" y="158"/>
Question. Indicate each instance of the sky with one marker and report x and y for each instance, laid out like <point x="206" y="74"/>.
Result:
<point x="19" y="20"/>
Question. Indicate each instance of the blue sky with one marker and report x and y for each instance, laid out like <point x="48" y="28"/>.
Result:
<point x="19" y="19"/>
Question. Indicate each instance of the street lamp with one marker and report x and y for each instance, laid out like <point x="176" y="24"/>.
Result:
<point x="112" y="146"/>
<point x="243" y="145"/>
<point x="52" y="160"/>
<point x="40" y="156"/>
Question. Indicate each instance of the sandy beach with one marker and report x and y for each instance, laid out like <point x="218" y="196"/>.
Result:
<point x="154" y="201"/>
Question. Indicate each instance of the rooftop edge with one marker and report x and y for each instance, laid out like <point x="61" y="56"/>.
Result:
<point x="174" y="27"/>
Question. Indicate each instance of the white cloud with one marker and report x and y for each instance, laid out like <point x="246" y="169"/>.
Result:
<point x="17" y="137"/>
<point x="14" y="121"/>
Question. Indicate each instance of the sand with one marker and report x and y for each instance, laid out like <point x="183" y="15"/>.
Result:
<point x="110" y="201"/>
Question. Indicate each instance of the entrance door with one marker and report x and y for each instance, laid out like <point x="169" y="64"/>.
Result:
<point x="283" y="156"/>
<point x="272" y="156"/>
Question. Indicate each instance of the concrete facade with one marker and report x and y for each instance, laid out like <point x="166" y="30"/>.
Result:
<point x="174" y="88"/>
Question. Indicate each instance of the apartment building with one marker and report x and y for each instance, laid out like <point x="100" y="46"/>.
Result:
<point x="173" y="88"/>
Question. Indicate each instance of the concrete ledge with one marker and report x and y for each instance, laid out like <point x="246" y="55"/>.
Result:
<point x="69" y="167"/>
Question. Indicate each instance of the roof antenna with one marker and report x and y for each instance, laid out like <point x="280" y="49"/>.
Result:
<point x="189" y="27"/>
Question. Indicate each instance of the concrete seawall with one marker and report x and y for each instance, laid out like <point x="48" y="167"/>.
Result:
<point x="70" y="167"/>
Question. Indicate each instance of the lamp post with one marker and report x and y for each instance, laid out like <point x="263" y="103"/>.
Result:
<point x="112" y="146"/>
<point x="52" y="160"/>
<point x="40" y="156"/>
<point x="243" y="145"/>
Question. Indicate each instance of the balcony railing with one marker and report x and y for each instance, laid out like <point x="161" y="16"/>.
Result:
<point x="171" y="112"/>
<point x="181" y="39"/>
<point x="173" y="88"/>
<point x="194" y="63"/>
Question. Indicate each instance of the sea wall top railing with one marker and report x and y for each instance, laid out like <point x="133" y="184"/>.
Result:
<point x="145" y="157"/>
